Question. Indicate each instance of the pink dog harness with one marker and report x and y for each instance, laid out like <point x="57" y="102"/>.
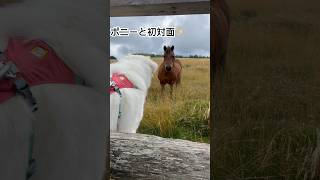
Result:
<point x="119" y="81"/>
<point x="36" y="63"/>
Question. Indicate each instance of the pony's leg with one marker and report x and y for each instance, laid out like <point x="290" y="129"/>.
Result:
<point x="162" y="88"/>
<point x="171" y="89"/>
<point x="178" y="82"/>
<point x="178" y="79"/>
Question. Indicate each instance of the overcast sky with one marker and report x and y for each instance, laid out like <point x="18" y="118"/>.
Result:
<point x="192" y="35"/>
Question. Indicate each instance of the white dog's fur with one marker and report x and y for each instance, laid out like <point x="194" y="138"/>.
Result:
<point x="139" y="70"/>
<point x="70" y="134"/>
<point x="70" y="124"/>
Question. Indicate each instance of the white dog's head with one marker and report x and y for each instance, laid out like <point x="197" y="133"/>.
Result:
<point x="138" y="69"/>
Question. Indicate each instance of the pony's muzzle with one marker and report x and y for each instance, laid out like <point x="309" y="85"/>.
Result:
<point x="168" y="68"/>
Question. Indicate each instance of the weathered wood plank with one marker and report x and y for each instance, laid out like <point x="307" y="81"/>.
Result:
<point x="158" y="7"/>
<point x="140" y="156"/>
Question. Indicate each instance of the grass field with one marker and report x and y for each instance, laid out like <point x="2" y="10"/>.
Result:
<point x="185" y="115"/>
<point x="268" y="110"/>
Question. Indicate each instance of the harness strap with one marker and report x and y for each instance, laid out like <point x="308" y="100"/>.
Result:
<point x="114" y="86"/>
<point x="31" y="169"/>
<point x="9" y="70"/>
<point x="23" y="89"/>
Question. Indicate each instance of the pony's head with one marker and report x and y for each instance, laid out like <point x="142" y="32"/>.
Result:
<point x="169" y="57"/>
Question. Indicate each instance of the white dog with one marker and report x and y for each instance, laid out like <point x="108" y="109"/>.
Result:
<point x="126" y="111"/>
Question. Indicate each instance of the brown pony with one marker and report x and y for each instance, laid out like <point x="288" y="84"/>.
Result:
<point x="170" y="69"/>
<point x="220" y="27"/>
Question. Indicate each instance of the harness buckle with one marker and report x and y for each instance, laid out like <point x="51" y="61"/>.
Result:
<point x="115" y="87"/>
<point x="12" y="71"/>
<point x="112" y="83"/>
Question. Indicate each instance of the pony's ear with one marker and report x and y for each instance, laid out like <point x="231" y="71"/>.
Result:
<point x="164" y="48"/>
<point x="172" y="48"/>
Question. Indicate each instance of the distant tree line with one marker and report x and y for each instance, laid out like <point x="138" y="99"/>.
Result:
<point x="178" y="56"/>
<point x="158" y="55"/>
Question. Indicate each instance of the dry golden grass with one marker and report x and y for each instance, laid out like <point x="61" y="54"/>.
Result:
<point x="269" y="108"/>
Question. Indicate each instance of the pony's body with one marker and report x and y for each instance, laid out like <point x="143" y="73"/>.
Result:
<point x="220" y="27"/>
<point x="170" y="69"/>
<point x="70" y="124"/>
<point x="172" y="77"/>
<point x="139" y="70"/>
